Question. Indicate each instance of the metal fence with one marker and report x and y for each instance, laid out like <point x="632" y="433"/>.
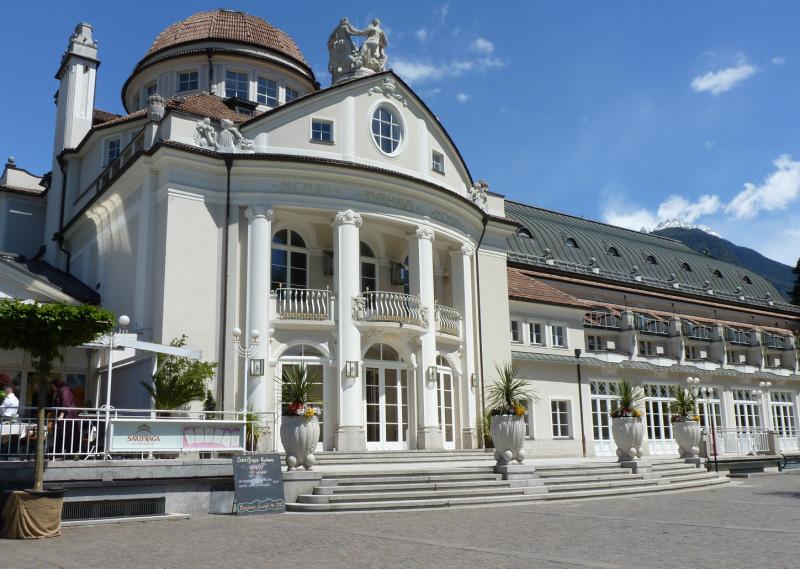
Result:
<point x="743" y="441"/>
<point x="85" y="433"/>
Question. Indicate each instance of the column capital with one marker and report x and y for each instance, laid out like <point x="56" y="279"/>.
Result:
<point x="347" y="217"/>
<point x="466" y="249"/>
<point x="254" y="211"/>
<point x="425" y="232"/>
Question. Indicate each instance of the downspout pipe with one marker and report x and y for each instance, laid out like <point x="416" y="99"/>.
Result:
<point x="59" y="237"/>
<point x="224" y="277"/>
<point x="480" y="323"/>
<point x="580" y="399"/>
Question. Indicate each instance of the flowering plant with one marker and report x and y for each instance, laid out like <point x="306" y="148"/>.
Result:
<point x="508" y="392"/>
<point x="630" y="399"/>
<point x="297" y="385"/>
<point x="682" y="409"/>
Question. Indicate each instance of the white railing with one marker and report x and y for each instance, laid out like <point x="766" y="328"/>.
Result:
<point x="742" y="441"/>
<point x="380" y="306"/>
<point x="789" y="441"/>
<point x="85" y="433"/>
<point x="302" y="304"/>
<point x="602" y="319"/>
<point x="448" y="320"/>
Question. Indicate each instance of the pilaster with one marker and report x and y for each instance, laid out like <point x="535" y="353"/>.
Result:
<point x="259" y="243"/>
<point x="461" y="269"/>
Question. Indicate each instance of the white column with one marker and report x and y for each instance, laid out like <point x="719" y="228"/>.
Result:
<point x="420" y="257"/>
<point x="350" y="430"/>
<point x="259" y="242"/>
<point x="461" y="269"/>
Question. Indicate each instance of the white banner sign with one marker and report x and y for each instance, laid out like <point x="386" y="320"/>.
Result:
<point x="154" y="435"/>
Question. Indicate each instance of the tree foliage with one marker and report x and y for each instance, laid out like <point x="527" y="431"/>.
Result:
<point x="44" y="331"/>
<point x="178" y="380"/>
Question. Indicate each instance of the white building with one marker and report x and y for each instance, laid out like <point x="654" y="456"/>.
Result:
<point x="343" y="224"/>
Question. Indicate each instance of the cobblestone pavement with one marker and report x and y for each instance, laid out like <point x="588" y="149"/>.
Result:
<point x="748" y="523"/>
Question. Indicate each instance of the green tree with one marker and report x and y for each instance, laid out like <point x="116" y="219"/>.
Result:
<point x="796" y="289"/>
<point x="44" y="331"/>
<point x="178" y="380"/>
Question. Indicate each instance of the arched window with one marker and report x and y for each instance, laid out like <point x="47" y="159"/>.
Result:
<point x="289" y="260"/>
<point x="651" y="260"/>
<point x="571" y="243"/>
<point x="747" y="280"/>
<point x="382" y="352"/>
<point x="686" y="267"/>
<point x="717" y="273"/>
<point x="369" y="268"/>
<point x="524" y="232"/>
<point x="613" y="251"/>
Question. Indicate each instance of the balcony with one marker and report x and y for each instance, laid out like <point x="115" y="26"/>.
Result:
<point x="773" y="341"/>
<point x="448" y="320"/>
<point x="696" y="331"/>
<point x="648" y="325"/>
<point x="381" y="306"/>
<point x="737" y="336"/>
<point x="602" y="319"/>
<point x="302" y="304"/>
<point x="115" y="167"/>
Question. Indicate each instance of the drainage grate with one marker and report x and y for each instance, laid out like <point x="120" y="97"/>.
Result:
<point x="99" y="509"/>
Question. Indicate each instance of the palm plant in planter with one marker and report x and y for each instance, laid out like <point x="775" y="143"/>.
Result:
<point x="299" y="419"/>
<point x="685" y="423"/>
<point x="626" y="420"/>
<point x="507" y="397"/>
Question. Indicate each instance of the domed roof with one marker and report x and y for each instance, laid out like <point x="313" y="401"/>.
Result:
<point x="227" y="25"/>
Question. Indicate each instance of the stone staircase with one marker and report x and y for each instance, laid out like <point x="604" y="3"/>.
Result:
<point x="425" y="487"/>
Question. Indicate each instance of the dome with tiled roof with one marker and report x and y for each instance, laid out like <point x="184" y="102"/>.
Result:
<point x="227" y="25"/>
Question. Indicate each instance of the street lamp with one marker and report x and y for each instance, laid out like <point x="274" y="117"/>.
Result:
<point x="245" y="351"/>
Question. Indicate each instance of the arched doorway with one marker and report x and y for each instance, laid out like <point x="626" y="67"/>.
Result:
<point x="312" y="359"/>
<point x="386" y="398"/>
<point x="445" y="398"/>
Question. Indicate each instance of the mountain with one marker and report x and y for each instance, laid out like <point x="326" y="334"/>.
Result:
<point x="679" y="224"/>
<point x="780" y="275"/>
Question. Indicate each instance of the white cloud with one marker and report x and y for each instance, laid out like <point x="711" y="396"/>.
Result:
<point x="462" y="97"/>
<point x="418" y="70"/>
<point x="675" y="207"/>
<point x="678" y="207"/>
<point x="717" y="82"/>
<point x="422" y="34"/>
<point x="778" y="60"/>
<point x="635" y="219"/>
<point x="779" y="189"/>
<point x="414" y="71"/>
<point x="482" y="45"/>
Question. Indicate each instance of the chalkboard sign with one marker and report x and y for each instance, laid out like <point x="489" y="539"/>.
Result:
<point x="258" y="484"/>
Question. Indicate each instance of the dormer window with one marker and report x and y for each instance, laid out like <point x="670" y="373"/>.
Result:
<point x="613" y="251"/>
<point x="150" y="89"/>
<point x="437" y="162"/>
<point x="187" y="81"/>
<point x="267" y="92"/>
<point x="571" y="243"/>
<point x="747" y="280"/>
<point x="524" y="232"/>
<point x="651" y="260"/>
<point x="686" y="267"/>
<point x="717" y="273"/>
<point x="291" y="94"/>
<point x="236" y="85"/>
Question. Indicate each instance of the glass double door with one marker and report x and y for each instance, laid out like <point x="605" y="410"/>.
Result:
<point x="386" y="395"/>
<point x="445" y="399"/>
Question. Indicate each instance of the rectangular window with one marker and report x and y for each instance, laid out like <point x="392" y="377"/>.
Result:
<point x="150" y="89"/>
<point x="321" y="131"/>
<point x="536" y="336"/>
<point x="113" y="148"/>
<point x="236" y="85"/>
<point x="291" y="95"/>
<point x="516" y="333"/>
<point x="647" y="348"/>
<point x="267" y="92"/>
<point x="187" y="81"/>
<point x="559" y="411"/>
<point x="558" y="335"/>
<point x="437" y="162"/>
<point x="593" y="343"/>
<point x="529" y="419"/>
<point x="691" y="353"/>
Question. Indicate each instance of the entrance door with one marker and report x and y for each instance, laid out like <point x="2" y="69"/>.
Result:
<point x="445" y="387"/>
<point x="604" y="400"/>
<point x="386" y="393"/>
<point x="659" y="429"/>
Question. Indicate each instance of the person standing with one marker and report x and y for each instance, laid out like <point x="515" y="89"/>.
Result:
<point x="66" y="413"/>
<point x="10" y="405"/>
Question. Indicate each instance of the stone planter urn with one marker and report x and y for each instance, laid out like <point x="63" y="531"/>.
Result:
<point x="299" y="436"/>
<point x="508" y="435"/>
<point x="687" y="435"/>
<point x="628" y="435"/>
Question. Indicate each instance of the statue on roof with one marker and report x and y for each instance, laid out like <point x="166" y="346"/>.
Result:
<point x="346" y="61"/>
<point x="478" y="193"/>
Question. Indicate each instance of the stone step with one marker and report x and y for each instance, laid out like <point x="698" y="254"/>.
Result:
<point x="601" y="484"/>
<point x="674" y="468"/>
<point x="421" y="495"/>
<point x="560" y="473"/>
<point x="405" y="459"/>
<point x="579" y="466"/>
<point x="407" y="479"/>
<point x="493" y="500"/>
<point x="621" y="475"/>
<point x="401" y="454"/>
<point x="701" y="475"/>
<point x="400" y="487"/>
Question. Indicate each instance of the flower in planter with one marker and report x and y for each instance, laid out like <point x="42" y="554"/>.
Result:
<point x="507" y="393"/>
<point x="630" y="399"/>
<point x="683" y="408"/>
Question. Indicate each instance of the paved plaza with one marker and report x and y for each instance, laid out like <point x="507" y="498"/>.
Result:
<point x="748" y="523"/>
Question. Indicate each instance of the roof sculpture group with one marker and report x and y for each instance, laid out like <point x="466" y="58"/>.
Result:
<point x="346" y="61"/>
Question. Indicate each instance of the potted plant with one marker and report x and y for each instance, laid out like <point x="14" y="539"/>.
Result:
<point x="626" y="421"/>
<point x="507" y="398"/>
<point x="299" y="419"/>
<point x="685" y="423"/>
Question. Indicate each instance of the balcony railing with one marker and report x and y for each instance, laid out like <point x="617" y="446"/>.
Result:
<point x="774" y="341"/>
<point x="736" y="336"/>
<point x="448" y="320"/>
<point x="652" y="325"/>
<point x="115" y="166"/>
<point x="303" y="304"/>
<point x="381" y="306"/>
<point x="602" y="319"/>
<point x="751" y="440"/>
<point x="696" y="331"/>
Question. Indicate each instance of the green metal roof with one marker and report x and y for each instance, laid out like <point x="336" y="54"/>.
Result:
<point x="550" y="231"/>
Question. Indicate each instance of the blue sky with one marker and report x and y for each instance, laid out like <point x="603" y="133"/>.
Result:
<point x="626" y="112"/>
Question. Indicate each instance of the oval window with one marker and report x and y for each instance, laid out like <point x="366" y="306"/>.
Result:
<point x="387" y="132"/>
